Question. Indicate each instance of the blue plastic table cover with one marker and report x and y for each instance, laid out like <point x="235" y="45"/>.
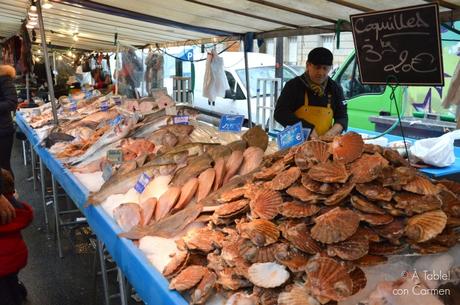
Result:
<point x="434" y="172"/>
<point x="150" y="284"/>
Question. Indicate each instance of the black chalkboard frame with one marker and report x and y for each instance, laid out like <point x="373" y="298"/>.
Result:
<point x="385" y="78"/>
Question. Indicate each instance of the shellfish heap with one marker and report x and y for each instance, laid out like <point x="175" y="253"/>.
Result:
<point x="301" y="228"/>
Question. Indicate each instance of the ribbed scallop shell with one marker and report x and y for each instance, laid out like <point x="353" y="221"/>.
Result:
<point x="369" y="234"/>
<point x="232" y="194"/>
<point x="295" y="209"/>
<point x="371" y="148"/>
<point x="363" y="205"/>
<point x="268" y="275"/>
<point x="429" y="248"/>
<point x="267" y="254"/>
<point x="425" y="226"/>
<point x="421" y="185"/>
<point x="335" y="225"/>
<point x="375" y="219"/>
<point x="317" y="187"/>
<point x="351" y="249"/>
<point x="232" y="208"/>
<point x="268" y="173"/>
<point x="385" y="248"/>
<point x="296" y="261"/>
<point x="204" y="288"/>
<point x="301" y="193"/>
<point x="329" y="279"/>
<point x="371" y="260"/>
<point x="367" y="168"/>
<point x="203" y="239"/>
<point x="312" y="152"/>
<point x="298" y="295"/>
<point x="394" y="157"/>
<point x="392" y="231"/>
<point x="285" y="179"/>
<point x="359" y="279"/>
<point x="188" y="278"/>
<point x="451" y="185"/>
<point x="260" y="231"/>
<point x="299" y="237"/>
<point x="265" y="204"/>
<point x="340" y="194"/>
<point x="177" y="264"/>
<point x="347" y="148"/>
<point x="329" y="172"/>
<point x="414" y="203"/>
<point x="450" y="203"/>
<point x="374" y="191"/>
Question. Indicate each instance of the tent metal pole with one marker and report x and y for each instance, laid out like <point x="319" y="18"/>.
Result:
<point x="54" y="68"/>
<point x="27" y="88"/>
<point x="117" y="65"/>
<point x="248" y="88"/>
<point x="47" y="62"/>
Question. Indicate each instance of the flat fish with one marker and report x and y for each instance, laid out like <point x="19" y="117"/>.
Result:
<point x="238" y="145"/>
<point x="205" y="183"/>
<point x="169" y="226"/>
<point x="233" y="164"/>
<point x="219" y="167"/>
<point x="195" y="167"/>
<point x="252" y="158"/>
<point x="127" y="215"/>
<point x="186" y="194"/>
<point x="166" y="202"/>
<point x="147" y="209"/>
<point x="219" y="151"/>
<point x="145" y="129"/>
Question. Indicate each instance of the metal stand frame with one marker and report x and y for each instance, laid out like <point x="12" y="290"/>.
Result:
<point x="181" y="89"/>
<point x="264" y="102"/>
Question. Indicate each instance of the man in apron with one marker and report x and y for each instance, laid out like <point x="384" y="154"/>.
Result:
<point x="314" y="99"/>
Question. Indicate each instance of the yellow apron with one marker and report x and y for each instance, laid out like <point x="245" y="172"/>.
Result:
<point x="319" y="116"/>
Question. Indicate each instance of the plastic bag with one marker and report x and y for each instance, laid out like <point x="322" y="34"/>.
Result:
<point x="436" y="151"/>
<point x="215" y="81"/>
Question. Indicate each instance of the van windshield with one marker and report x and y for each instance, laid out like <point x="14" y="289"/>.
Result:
<point x="262" y="72"/>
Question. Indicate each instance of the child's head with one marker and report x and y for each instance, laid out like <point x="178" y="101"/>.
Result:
<point x="7" y="189"/>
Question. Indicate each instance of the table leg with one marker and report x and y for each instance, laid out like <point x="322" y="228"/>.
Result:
<point x="56" y="216"/>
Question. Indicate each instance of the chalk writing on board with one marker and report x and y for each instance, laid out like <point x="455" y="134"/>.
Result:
<point x="404" y="43"/>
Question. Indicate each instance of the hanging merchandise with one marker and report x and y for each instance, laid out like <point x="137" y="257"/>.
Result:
<point x="131" y="73"/>
<point x="154" y="72"/>
<point x="215" y="81"/>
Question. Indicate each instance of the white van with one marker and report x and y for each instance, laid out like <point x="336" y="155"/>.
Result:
<point x="260" y="66"/>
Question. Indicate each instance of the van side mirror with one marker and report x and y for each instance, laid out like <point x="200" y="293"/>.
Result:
<point x="230" y="94"/>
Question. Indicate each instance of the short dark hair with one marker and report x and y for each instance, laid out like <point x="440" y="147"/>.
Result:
<point x="320" y="56"/>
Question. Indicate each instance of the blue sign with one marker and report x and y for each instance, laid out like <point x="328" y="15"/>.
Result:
<point x="290" y="136"/>
<point x="116" y="120"/>
<point x="187" y="55"/>
<point x="231" y="123"/>
<point x="181" y="119"/>
<point x="144" y="179"/>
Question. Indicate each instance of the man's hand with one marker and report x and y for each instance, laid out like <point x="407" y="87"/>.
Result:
<point x="7" y="212"/>
<point x="313" y="135"/>
<point x="334" y="131"/>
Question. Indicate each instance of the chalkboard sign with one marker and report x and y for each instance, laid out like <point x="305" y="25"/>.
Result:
<point x="404" y="43"/>
<point x="231" y="123"/>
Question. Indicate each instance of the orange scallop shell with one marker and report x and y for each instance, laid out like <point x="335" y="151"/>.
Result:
<point x="312" y="152"/>
<point x="294" y="260"/>
<point x="340" y="194"/>
<point x="265" y="204"/>
<point x="329" y="279"/>
<point x="260" y="231"/>
<point x="285" y="179"/>
<point x="270" y="172"/>
<point x="363" y="205"/>
<point x="394" y="157"/>
<point x="317" y="187"/>
<point x="335" y="225"/>
<point x="451" y="185"/>
<point x="299" y="236"/>
<point x="347" y="148"/>
<point x="188" y="278"/>
<point x="233" y="194"/>
<point x="375" y="219"/>
<point x="371" y="260"/>
<point x="203" y="239"/>
<point x="329" y="172"/>
<point x="384" y="248"/>
<point x="301" y="193"/>
<point x="450" y="203"/>
<point x="359" y="279"/>
<point x="421" y="185"/>
<point x="177" y="264"/>
<point x="392" y="231"/>
<point x="204" y="288"/>
<point x="268" y="253"/>
<point x="351" y="249"/>
<point x="423" y="227"/>
<point x="375" y="191"/>
<point x="368" y="233"/>
<point x="367" y="168"/>
<point x="414" y="203"/>
<point x="371" y="148"/>
<point x="295" y="209"/>
<point x="232" y="208"/>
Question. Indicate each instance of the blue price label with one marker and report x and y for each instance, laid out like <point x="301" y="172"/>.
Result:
<point x="181" y="119"/>
<point x="117" y="100"/>
<point x="104" y="105"/>
<point x="290" y="136"/>
<point x="144" y="179"/>
<point x="231" y="123"/>
<point x="116" y="120"/>
<point x="73" y="105"/>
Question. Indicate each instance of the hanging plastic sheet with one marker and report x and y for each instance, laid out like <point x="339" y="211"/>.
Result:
<point x="215" y="81"/>
<point x="131" y="72"/>
<point x="154" y="71"/>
